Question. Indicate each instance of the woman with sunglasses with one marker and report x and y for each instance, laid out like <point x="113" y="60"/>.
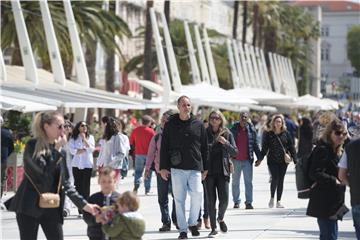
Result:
<point x="221" y="148"/>
<point x="45" y="170"/>
<point x="327" y="194"/>
<point x="82" y="145"/>
<point x="276" y="142"/>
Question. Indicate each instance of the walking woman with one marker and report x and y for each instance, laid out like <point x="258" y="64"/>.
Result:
<point x="305" y="138"/>
<point x="118" y="146"/>
<point x="82" y="145"/>
<point x="326" y="201"/>
<point x="221" y="148"/>
<point x="45" y="171"/>
<point x="276" y="142"/>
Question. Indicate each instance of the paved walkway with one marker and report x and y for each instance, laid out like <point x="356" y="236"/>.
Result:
<point x="260" y="223"/>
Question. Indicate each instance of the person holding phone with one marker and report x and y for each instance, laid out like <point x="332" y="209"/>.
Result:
<point x="45" y="170"/>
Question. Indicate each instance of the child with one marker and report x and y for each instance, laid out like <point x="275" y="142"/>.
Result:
<point x="106" y="197"/>
<point x="127" y="223"/>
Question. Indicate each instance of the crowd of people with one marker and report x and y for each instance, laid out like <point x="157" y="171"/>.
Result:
<point x="188" y="157"/>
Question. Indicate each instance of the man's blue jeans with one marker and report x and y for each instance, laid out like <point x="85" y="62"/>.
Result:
<point x="164" y="188"/>
<point x="247" y="168"/>
<point x="140" y="161"/>
<point x="328" y="229"/>
<point x="184" y="181"/>
<point x="356" y="218"/>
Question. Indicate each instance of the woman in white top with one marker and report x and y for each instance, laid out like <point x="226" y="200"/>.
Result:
<point x="116" y="147"/>
<point x="103" y="153"/>
<point x="82" y="145"/>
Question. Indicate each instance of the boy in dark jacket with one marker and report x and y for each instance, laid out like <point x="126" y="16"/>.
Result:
<point x="106" y="197"/>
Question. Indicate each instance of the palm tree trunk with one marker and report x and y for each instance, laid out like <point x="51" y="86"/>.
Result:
<point x="167" y="11"/>
<point x="90" y="60"/>
<point x="255" y="23"/>
<point x="109" y="78"/>
<point x="16" y="55"/>
<point x="245" y="13"/>
<point x="147" y="50"/>
<point x="235" y="22"/>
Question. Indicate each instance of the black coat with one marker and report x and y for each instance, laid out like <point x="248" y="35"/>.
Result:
<point x="229" y="150"/>
<point x="327" y="196"/>
<point x="44" y="172"/>
<point x="187" y="138"/>
<point x="94" y="228"/>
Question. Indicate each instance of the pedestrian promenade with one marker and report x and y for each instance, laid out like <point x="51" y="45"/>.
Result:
<point x="260" y="223"/>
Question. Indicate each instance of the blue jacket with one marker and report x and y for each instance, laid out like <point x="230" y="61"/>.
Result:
<point x="252" y="140"/>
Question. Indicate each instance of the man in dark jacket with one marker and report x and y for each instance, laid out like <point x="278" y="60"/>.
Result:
<point x="7" y="147"/>
<point x="246" y="142"/>
<point x="349" y="174"/>
<point x="184" y="153"/>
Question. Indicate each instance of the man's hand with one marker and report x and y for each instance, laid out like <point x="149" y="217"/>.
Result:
<point x="147" y="173"/>
<point x="165" y="174"/>
<point x="91" y="208"/>
<point x="257" y="163"/>
<point x="204" y="174"/>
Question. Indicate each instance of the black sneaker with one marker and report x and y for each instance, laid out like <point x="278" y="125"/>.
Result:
<point x="194" y="231"/>
<point x="236" y="205"/>
<point x="248" y="206"/>
<point x="165" y="228"/>
<point x="213" y="234"/>
<point x="135" y="190"/>
<point x="223" y="226"/>
<point x="183" y="235"/>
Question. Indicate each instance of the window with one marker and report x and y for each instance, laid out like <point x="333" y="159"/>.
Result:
<point x="325" y="54"/>
<point x="325" y="31"/>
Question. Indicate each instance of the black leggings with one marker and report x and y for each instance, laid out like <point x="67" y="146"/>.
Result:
<point x="50" y="224"/>
<point x="82" y="178"/>
<point x="277" y="171"/>
<point x="219" y="184"/>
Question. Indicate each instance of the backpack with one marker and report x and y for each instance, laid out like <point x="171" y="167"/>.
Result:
<point x="303" y="181"/>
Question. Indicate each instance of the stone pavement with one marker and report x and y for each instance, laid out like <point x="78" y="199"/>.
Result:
<point x="260" y="223"/>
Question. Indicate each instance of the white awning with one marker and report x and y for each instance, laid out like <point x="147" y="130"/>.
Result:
<point x="15" y="104"/>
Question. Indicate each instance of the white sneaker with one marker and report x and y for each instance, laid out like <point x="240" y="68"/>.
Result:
<point x="271" y="203"/>
<point x="278" y="205"/>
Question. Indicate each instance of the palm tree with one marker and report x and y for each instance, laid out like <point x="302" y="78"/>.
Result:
<point x="245" y="16"/>
<point x="147" y="49"/>
<point x="235" y="22"/>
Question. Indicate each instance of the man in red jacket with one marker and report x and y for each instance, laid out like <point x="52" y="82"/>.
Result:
<point x="140" y="140"/>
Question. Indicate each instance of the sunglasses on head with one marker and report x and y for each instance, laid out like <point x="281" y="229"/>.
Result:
<point x="340" y="133"/>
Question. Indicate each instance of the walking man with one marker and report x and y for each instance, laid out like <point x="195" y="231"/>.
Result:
<point x="140" y="139"/>
<point x="246" y="142"/>
<point x="349" y="173"/>
<point x="183" y="154"/>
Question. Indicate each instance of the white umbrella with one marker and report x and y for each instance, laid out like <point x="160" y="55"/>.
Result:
<point x="10" y="103"/>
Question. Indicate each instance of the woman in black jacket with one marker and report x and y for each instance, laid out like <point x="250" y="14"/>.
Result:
<point x="327" y="196"/>
<point x="305" y="138"/>
<point x="275" y="143"/>
<point x="221" y="148"/>
<point x="45" y="170"/>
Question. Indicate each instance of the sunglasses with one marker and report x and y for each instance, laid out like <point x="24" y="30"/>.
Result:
<point x="340" y="133"/>
<point x="83" y="125"/>
<point x="61" y="126"/>
<point x="215" y="118"/>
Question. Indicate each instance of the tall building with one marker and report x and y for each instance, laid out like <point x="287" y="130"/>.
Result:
<point x="337" y="19"/>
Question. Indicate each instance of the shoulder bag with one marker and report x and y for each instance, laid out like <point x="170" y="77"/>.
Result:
<point x="287" y="157"/>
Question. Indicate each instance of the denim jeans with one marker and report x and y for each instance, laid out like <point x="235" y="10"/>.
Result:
<point x="140" y="161"/>
<point x="164" y="188"/>
<point x="247" y="168"/>
<point x="328" y="229"/>
<point x="184" y="181"/>
<point x="356" y="218"/>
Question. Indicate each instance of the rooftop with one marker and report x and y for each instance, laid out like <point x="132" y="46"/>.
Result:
<point x="330" y="6"/>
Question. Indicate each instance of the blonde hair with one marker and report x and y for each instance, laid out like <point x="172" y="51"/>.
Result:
<point x="130" y="200"/>
<point x="222" y="127"/>
<point x="272" y="123"/>
<point x="42" y="144"/>
<point x="334" y="125"/>
<point x="326" y="118"/>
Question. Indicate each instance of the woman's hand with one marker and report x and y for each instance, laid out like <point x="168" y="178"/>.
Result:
<point x="91" y="208"/>
<point x="221" y="140"/>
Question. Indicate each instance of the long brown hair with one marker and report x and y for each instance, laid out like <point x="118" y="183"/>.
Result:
<point x="223" y="131"/>
<point x="334" y="125"/>
<point x="42" y="144"/>
<point x="272" y="123"/>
